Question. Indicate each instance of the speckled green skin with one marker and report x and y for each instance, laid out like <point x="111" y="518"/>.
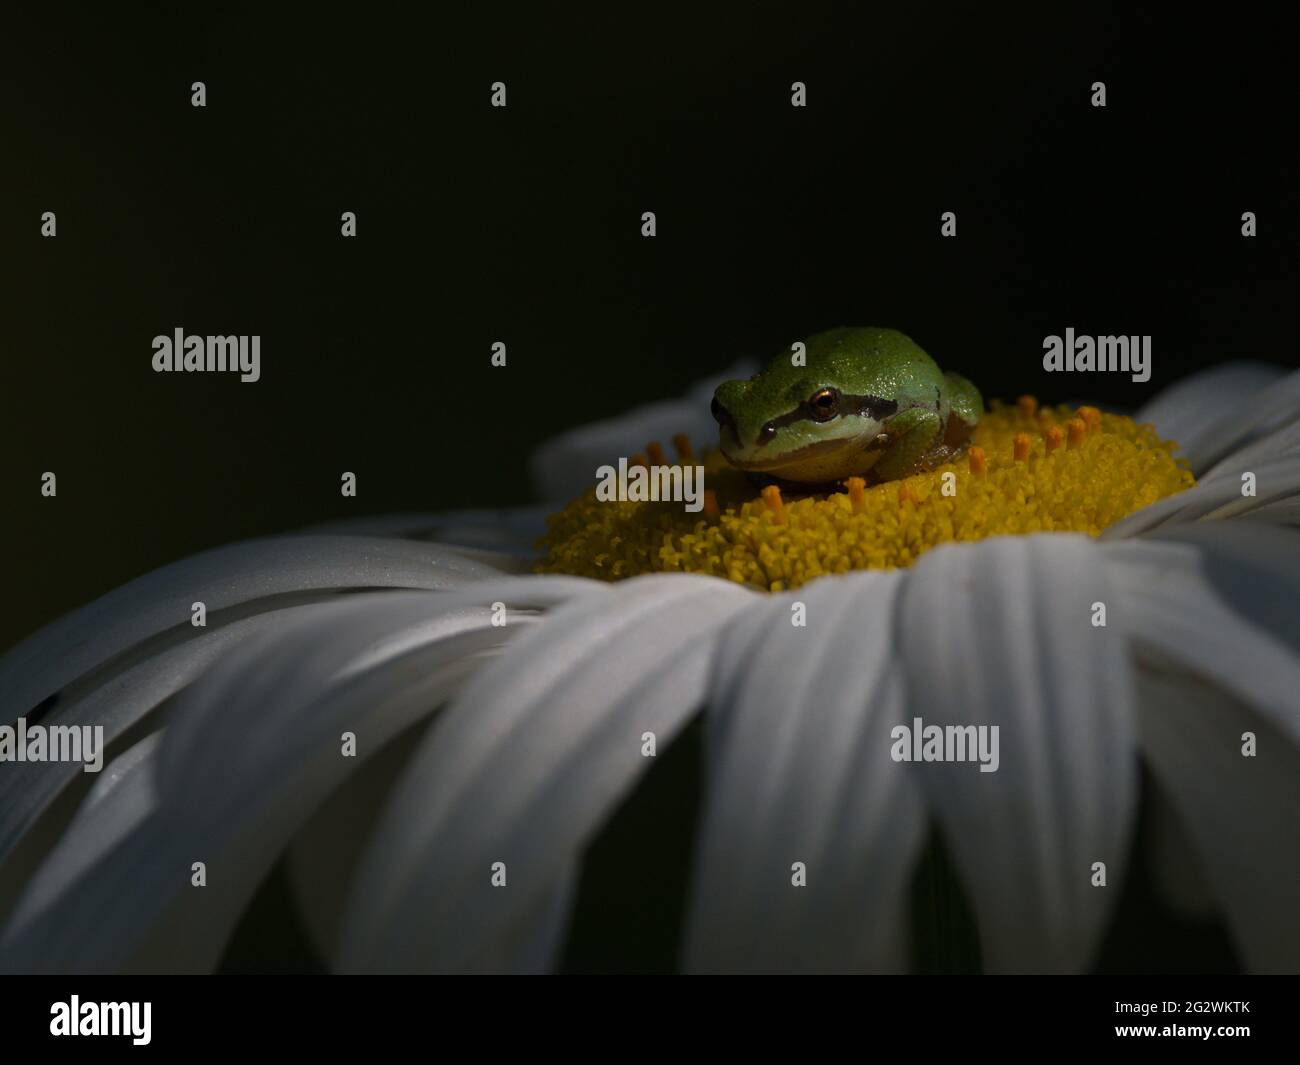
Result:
<point x="933" y="420"/>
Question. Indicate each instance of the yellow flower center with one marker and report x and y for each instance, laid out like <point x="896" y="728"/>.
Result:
<point x="1026" y="471"/>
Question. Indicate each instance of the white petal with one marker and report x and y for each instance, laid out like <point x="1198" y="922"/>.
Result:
<point x="1223" y="601"/>
<point x="251" y="749"/>
<point x="534" y="942"/>
<point x="243" y="578"/>
<point x="1214" y="612"/>
<point x="118" y="702"/>
<point x="1000" y="633"/>
<point x="799" y="771"/>
<point x="1280" y="512"/>
<point x="1281" y="442"/>
<point x="1242" y="814"/>
<point x="1270" y="410"/>
<point x="523" y="768"/>
<point x="1203" y="412"/>
<point x="1277" y="487"/>
<point x="324" y="853"/>
<point x="565" y="466"/>
<point x="375" y="641"/>
<point x="122" y="798"/>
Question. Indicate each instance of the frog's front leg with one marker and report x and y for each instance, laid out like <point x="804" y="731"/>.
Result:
<point x="914" y="435"/>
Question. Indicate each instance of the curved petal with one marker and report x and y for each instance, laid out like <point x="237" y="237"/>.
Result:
<point x="565" y="466"/>
<point x="1207" y="413"/>
<point x="121" y="799"/>
<point x="117" y="703"/>
<point x="523" y="769"/>
<point x="1271" y="410"/>
<point x="251" y="749"/>
<point x="533" y="943"/>
<point x="1242" y="814"/>
<point x="1214" y="612"/>
<point x="799" y="771"/>
<point x="1279" y="511"/>
<point x="242" y="578"/>
<point x="1000" y="633"/>
<point x="1268" y="448"/>
<point x="1223" y="601"/>
<point x="1277" y="485"/>
<point x="325" y="851"/>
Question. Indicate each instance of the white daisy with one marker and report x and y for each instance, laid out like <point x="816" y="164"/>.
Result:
<point x="487" y="751"/>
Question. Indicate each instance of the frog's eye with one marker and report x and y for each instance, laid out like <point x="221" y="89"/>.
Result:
<point x="824" y="404"/>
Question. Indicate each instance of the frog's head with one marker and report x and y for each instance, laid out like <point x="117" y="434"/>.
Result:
<point x="800" y="422"/>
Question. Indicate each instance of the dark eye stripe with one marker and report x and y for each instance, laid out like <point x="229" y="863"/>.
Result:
<point x="862" y="406"/>
<point x="799" y="414"/>
<point x="870" y="406"/>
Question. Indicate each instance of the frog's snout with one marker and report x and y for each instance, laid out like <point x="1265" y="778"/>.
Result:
<point x="725" y="419"/>
<point x="733" y="443"/>
<point x="728" y="429"/>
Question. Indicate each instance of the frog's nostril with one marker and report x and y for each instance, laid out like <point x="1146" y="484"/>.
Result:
<point x="765" y="434"/>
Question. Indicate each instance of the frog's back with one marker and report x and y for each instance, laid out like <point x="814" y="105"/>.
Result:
<point x="865" y="343"/>
<point x="876" y="361"/>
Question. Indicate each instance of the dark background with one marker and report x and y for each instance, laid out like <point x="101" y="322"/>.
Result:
<point x="523" y="225"/>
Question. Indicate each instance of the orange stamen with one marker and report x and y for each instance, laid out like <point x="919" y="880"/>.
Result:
<point x="857" y="493"/>
<point x="978" y="463"/>
<point x="1020" y="446"/>
<point x="1028" y="406"/>
<point x="1052" y="438"/>
<point x="1091" y="418"/>
<point x="1077" y="429"/>
<point x="772" y="497"/>
<point x="682" y="443"/>
<point x="656" y="452"/>
<point x="638" y="459"/>
<point x="711" y="503"/>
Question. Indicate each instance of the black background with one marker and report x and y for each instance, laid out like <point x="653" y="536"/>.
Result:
<point x="523" y="225"/>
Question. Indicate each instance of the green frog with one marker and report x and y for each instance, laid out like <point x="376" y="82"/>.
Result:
<point x="860" y="402"/>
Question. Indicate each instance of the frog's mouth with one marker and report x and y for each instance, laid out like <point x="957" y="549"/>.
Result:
<point x="758" y="464"/>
